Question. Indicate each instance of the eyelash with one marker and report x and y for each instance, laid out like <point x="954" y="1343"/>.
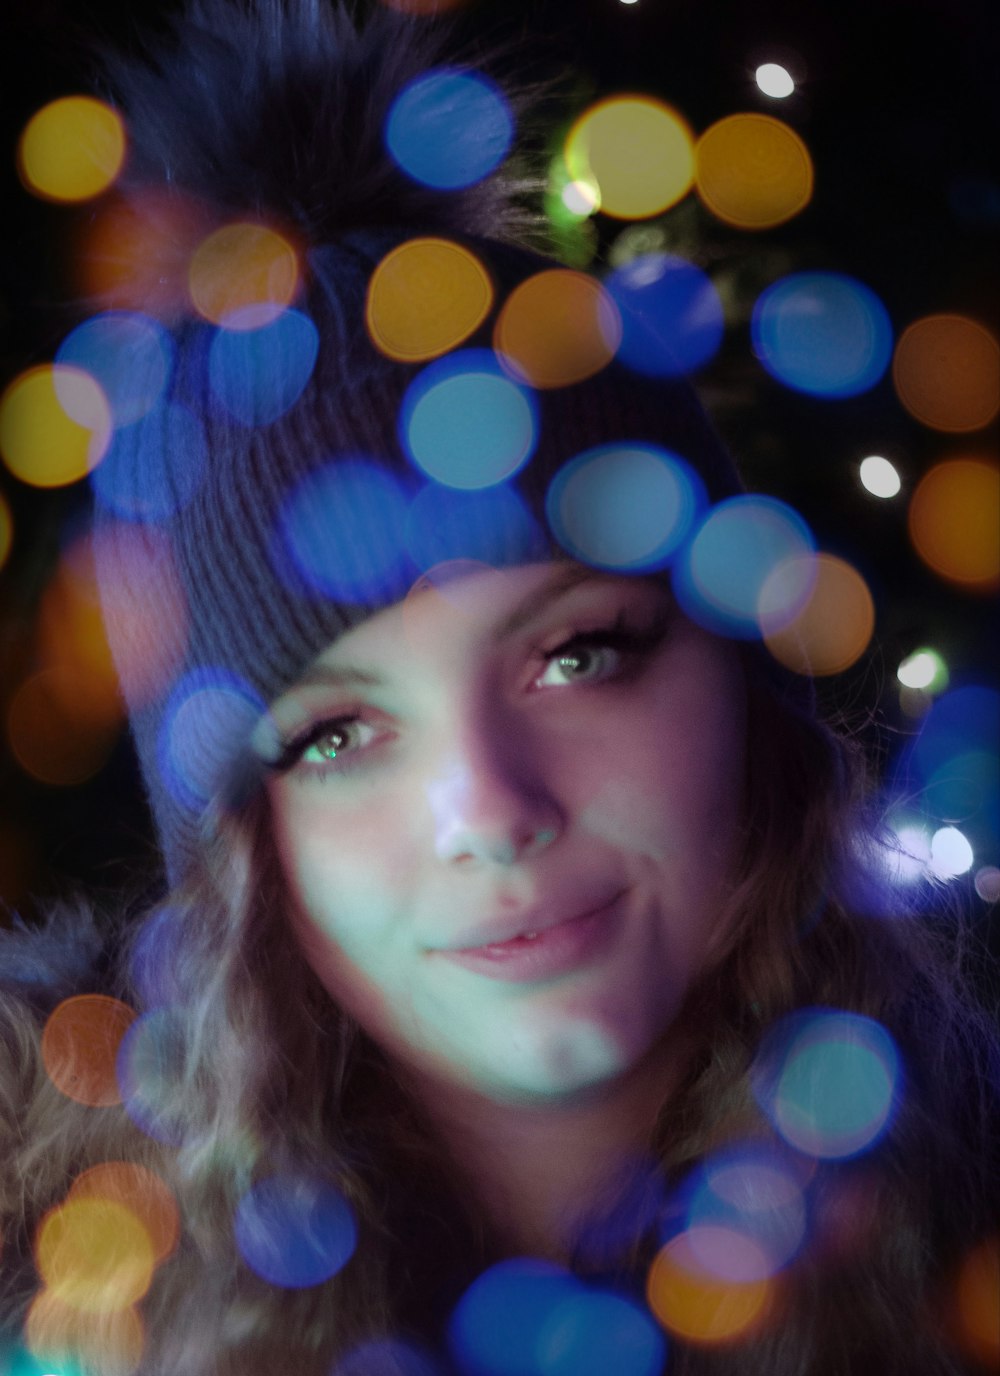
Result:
<point x="633" y="644"/>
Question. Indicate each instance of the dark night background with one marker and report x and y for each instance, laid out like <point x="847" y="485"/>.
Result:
<point x="897" y="104"/>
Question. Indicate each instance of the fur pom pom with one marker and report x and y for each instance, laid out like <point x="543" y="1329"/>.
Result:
<point x="276" y="109"/>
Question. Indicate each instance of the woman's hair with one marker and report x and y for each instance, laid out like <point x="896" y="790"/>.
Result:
<point x="251" y="1071"/>
<point x="267" y="1076"/>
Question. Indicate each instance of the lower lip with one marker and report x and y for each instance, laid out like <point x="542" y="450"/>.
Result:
<point x="554" y="952"/>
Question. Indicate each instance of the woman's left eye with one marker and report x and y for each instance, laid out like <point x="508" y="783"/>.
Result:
<point x="598" y="656"/>
<point x="584" y="659"/>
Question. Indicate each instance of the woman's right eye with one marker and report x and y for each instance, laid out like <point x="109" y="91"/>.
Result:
<point x="329" y="744"/>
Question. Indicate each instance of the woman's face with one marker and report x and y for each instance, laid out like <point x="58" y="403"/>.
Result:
<point x="507" y="810"/>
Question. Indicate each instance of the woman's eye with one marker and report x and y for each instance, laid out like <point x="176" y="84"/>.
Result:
<point x="330" y="742"/>
<point x="583" y="660"/>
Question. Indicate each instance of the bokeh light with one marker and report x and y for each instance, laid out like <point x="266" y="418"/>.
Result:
<point x="908" y="852"/>
<point x="756" y="1198"/>
<point x="135" y="254"/>
<point x="624" y="506"/>
<point x="425" y="297"/>
<point x="828" y="1081"/>
<point x="822" y="333"/>
<point x="294" y="1231"/>
<point x="66" y="1341"/>
<point x="925" y="669"/>
<point x="593" y="1332"/>
<point x="80" y="1043"/>
<point x="94" y="1255"/>
<point x="692" y="1302"/>
<point x="154" y="960"/>
<point x="342" y="533"/>
<point x="155" y="466"/>
<point x="139" y="1190"/>
<point x="243" y="276"/>
<point x="150" y="1071"/>
<point x="879" y="476"/>
<point x="449" y="128"/>
<point x="556" y="328"/>
<point x="498" y="1324"/>
<point x="753" y="171"/>
<point x="672" y="319"/>
<point x="581" y="198"/>
<point x="128" y="354"/>
<point x="55" y="425"/>
<point x="951" y="853"/>
<point x="465" y="423"/>
<point x="6" y="530"/>
<point x="976" y="1303"/>
<point x="492" y="526"/>
<point x="987" y="883"/>
<point x="61" y="727"/>
<point x="636" y="150"/>
<point x="830" y="629"/>
<point x="946" y="370"/>
<point x="143" y="598"/>
<point x="953" y="760"/>
<point x="206" y="723"/>
<point x="954" y="521"/>
<point x="722" y="572"/>
<point x="258" y="373"/>
<point x="774" y="80"/>
<point x="70" y="632"/>
<point x="72" y="149"/>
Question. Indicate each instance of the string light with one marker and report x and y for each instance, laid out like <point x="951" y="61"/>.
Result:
<point x="879" y="476"/>
<point x="774" y="80"/>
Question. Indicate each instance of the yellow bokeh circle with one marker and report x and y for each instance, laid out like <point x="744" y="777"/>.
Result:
<point x="243" y="276"/>
<point x="556" y="328"/>
<point x="140" y="1190"/>
<point x="55" y="425"/>
<point x="425" y="297"/>
<point x="72" y="149"/>
<point x="834" y="626"/>
<point x="954" y="520"/>
<point x="946" y="370"/>
<point x="753" y="171"/>
<point x="95" y="1255"/>
<point x="637" y="151"/>
<point x="109" y="1342"/>
<point x="698" y="1306"/>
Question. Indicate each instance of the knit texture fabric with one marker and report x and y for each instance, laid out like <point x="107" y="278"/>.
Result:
<point x="265" y="501"/>
<point x="209" y="560"/>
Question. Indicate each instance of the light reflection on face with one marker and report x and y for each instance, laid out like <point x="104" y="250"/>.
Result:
<point x="498" y="756"/>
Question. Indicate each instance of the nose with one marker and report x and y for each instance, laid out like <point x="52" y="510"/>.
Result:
<point x="488" y="803"/>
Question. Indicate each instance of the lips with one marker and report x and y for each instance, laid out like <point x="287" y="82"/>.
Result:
<point x="532" y="954"/>
<point x="527" y="924"/>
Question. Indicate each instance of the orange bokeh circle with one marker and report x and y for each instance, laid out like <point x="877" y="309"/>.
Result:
<point x="946" y="370"/>
<point x="80" y="1044"/>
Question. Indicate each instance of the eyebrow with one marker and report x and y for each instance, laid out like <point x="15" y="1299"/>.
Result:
<point x="564" y="580"/>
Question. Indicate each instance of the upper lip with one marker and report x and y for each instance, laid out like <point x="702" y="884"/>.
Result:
<point x="506" y="926"/>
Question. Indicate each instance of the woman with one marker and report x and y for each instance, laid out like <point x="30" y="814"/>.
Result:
<point x="499" y="886"/>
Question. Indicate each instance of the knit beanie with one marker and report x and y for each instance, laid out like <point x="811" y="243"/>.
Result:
<point x="280" y="473"/>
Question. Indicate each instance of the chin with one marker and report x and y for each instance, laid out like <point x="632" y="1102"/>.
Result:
<point x="565" y="1063"/>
